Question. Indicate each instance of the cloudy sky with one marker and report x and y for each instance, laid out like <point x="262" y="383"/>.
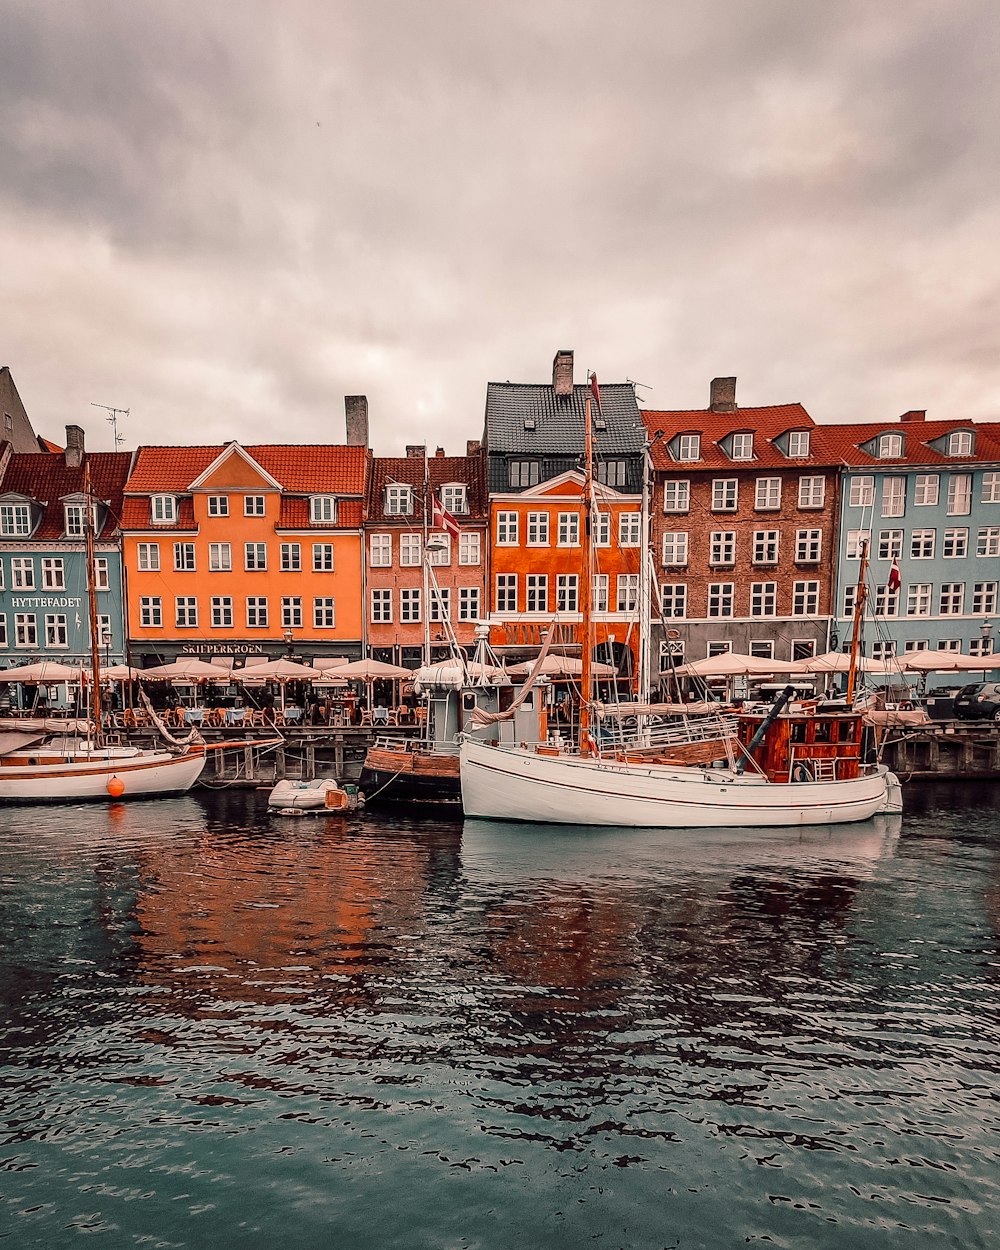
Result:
<point x="226" y="216"/>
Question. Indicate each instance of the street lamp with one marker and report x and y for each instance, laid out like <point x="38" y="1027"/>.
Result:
<point x="288" y="641"/>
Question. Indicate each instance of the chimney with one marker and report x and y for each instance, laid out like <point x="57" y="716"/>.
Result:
<point x="74" y="447"/>
<point x="416" y="451"/>
<point x="562" y="372"/>
<point x="473" y="447"/>
<point x="356" y="407"/>
<point x="723" y="395"/>
<point x="439" y="452"/>
<point x="915" y="414"/>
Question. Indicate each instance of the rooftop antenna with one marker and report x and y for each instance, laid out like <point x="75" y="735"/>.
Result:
<point x="112" y="420"/>
<point x="634" y="384"/>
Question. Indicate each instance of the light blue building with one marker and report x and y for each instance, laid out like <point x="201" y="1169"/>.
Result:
<point x="924" y="496"/>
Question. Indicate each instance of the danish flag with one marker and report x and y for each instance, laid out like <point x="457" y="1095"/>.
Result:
<point x="442" y="519"/>
<point x="894" y="581"/>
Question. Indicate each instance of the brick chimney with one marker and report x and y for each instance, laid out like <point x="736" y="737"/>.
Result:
<point x="356" y="407"/>
<point x="439" y="452"/>
<point x="562" y="372"/>
<point x="723" y="395"/>
<point x="915" y="414"/>
<point x="74" y="447"/>
<point x="416" y="451"/>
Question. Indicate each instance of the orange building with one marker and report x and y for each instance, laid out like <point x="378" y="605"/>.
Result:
<point x="245" y="551"/>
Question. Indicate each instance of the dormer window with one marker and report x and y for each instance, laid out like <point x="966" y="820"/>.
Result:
<point x="76" y="519"/>
<point x="323" y="509"/>
<point x="399" y="500"/>
<point x="453" y="499"/>
<point x="600" y="423"/>
<point x="612" y="472"/>
<point x="798" y="443"/>
<point x="890" y="446"/>
<point x="523" y="473"/>
<point x="688" y="447"/>
<point x="163" y="509"/>
<point x="960" y="443"/>
<point x="529" y="423"/>
<point x="15" y="520"/>
<point x="742" y="447"/>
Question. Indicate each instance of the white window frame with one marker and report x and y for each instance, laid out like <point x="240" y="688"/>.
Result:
<point x="291" y="612"/>
<point x="720" y="601"/>
<point x="675" y="549"/>
<point x="926" y="489"/>
<point x="255" y="557"/>
<point x="148" y="557"/>
<point x="220" y="558"/>
<point x="255" y="505"/>
<point x="861" y="492"/>
<point x="812" y="491"/>
<point x="798" y="444"/>
<point x="410" y="605"/>
<point x="56" y="631"/>
<point x="536" y="593"/>
<point x="922" y="544"/>
<point x="470" y="548"/>
<point x="767" y="494"/>
<point x="182" y="551"/>
<point x="291" y="557"/>
<point x="959" y="494"/>
<point x="567" y="592"/>
<point x="894" y="495"/>
<point x="185" y="612"/>
<point x="398" y="500"/>
<point x="688" y="447"/>
<point x="53" y="573"/>
<point x="808" y="546"/>
<point x="323" y="557"/>
<point x="323" y="509"/>
<point x="381" y="605"/>
<point x="805" y="598"/>
<point x="469" y="603"/>
<point x="722" y="548"/>
<point x="766" y="546"/>
<point x="380" y="551"/>
<point x="218" y="505"/>
<point x="507" y="529"/>
<point x="677" y="494"/>
<point x="257" y="612"/>
<point x="568" y="529"/>
<point x="163" y="509"/>
<point x="763" y="599"/>
<point x="537" y="529"/>
<point x="222" y="611"/>
<point x="324" y="612"/>
<point x="725" y="494"/>
<point x="742" y="446"/>
<point x="151" y="611"/>
<point x="411" y="550"/>
<point x="506" y="592"/>
<point x="955" y="543"/>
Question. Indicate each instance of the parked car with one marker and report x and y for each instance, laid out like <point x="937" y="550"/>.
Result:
<point x="980" y="701"/>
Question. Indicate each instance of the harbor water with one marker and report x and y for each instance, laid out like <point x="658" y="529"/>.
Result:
<point x="225" y="1028"/>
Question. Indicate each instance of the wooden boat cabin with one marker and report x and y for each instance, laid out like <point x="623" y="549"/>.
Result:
<point x="807" y="745"/>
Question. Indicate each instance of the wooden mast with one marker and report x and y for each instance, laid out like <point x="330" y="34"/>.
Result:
<point x="586" y="590"/>
<point x="860" y="598"/>
<point x="95" y="642"/>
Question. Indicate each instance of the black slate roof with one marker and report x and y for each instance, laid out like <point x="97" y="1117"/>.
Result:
<point x="558" y="419"/>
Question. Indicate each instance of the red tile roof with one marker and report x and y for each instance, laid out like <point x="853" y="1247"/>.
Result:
<point x="308" y="468"/>
<point x="842" y="443"/>
<point x="441" y="470"/>
<point x="769" y="423"/>
<point x="47" y="478"/>
<point x="294" y="514"/>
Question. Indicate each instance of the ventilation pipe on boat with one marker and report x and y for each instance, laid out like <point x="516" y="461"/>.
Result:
<point x="777" y="707"/>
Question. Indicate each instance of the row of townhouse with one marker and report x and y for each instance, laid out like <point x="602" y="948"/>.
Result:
<point x="756" y="521"/>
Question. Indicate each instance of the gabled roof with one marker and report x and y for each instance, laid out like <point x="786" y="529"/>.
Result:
<point x="48" y="479"/>
<point x="300" y="468"/>
<point x="844" y="443"/>
<point x="441" y="471"/>
<point x="767" y="424"/>
<point x="558" y="420"/>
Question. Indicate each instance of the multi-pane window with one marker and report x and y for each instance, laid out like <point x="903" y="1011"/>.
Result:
<point x="850" y="600"/>
<point x="454" y="499"/>
<point x="599" y="593"/>
<point x="805" y="598"/>
<point x="629" y="529"/>
<point x="675" y="548"/>
<point x="884" y="650"/>
<point x="722" y="547"/>
<point x="291" y="557"/>
<point x="861" y="492"/>
<point x="150" y="611"/>
<point x="890" y="446"/>
<point x="765" y="546"/>
<point x="988" y="541"/>
<point x="506" y="592"/>
<point x="955" y="544"/>
<point x="55" y="630"/>
<point x="381" y="607"/>
<point x="148" y="556"/>
<point x="102" y="573"/>
<point x="538" y="529"/>
<point x="569" y="529"/>
<point x="291" y="612"/>
<point x="959" y="494"/>
<point x="323" y="509"/>
<point x="767" y="496"/>
<point x="922" y="544"/>
<point x="324" y="612"/>
<point x="440" y="600"/>
<point x="469" y="546"/>
<point x="322" y="557"/>
<point x="567" y="592"/>
<point x="222" y="612"/>
<point x="255" y="557"/>
<point x="893" y="496"/>
<point x="915" y="644"/>
<point x="253" y="505"/>
<point x="523" y="473"/>
<point x="506" y="529"/>
<point x="688" y="446"/>
<point x="673" y="599"/>
<point x="53" y="573"/>
<point x="984" y="598"/>
<point x="468" y="603"/>
<point x="76" y="519"/>
<point x="410" y="550"/>
<point x="890" y="544"/>
<point x="184" y="559"/>
<point x="409" y="605"/>
<point x="951" y="601"/>
<point x="763" y="598"/>
<point x="163" y="509"/>
<point x="742" y="447"/>
<point x="536" y="592"/>
<point x="925" y="490"/>
<point x="960" y="443"/>
<point x="602" y="529"/>
<point x="256" y="612"/>
<point x="812" y="492"/>
<point x="886" y="601"/>
<point x="798" y="443"/>
<point x="220" y="557"/>
<point x="725" y="494"/>
<point x="218" y="505"/>
<point x="185" y="611"/>
<point x="25" y="629"/>
<point x="628" y="592"/>
<point x="763" y="648"/>
<point x="981" y="646"/>
<point x="918" y="599"/>
<point x="439" y="548"/>
<point x="380" y="551"/>
<point x="808" y="546"/>
<point x="612" y="472"/>
<point x="991" y="488"/>
<point x="398" y="500"/>
<point x="720" y="598"/>
<point x="676" y="495"/>
<point x="953" y="645"/>
<point x="15" y="520"/>
<point x="22" y="573"/>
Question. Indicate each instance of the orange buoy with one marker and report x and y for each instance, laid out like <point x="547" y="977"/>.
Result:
<point x="116" y="787"/>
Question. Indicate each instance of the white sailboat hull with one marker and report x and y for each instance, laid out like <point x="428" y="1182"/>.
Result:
<point x="518" y="784"/>
<point x="71" y="776"/>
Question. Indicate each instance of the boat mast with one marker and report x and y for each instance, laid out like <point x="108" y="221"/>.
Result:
<point x="645" y="591"/>
<point x="586" y="590"/>
<point x="860" y="598"/>
<point x="95" y="642"/>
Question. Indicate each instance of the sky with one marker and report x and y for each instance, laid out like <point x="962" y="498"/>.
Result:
<point x="224" y="216"/>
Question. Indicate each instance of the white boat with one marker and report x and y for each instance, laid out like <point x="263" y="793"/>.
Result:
<point x="316" y="794"/>
<point x="729" y="773"/>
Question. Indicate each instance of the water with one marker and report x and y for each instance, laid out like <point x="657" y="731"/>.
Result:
<point x="221" y="1028"/>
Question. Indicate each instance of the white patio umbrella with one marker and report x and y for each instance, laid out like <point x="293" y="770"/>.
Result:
<point x="733" y="664"/>
<point x="185" y="670"/>
<point x="562" y="666"/>
<point x="120" y="672"/>
<point x="42" y="673"/>
<point x="948" y="662"/>
<point x="833" y="662"/>
<point x="280" y="670"/>
<point x="370" y="670"/>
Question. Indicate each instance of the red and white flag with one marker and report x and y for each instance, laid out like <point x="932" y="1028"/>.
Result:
<point x="442" y="519"/>
<point x="894" y="580"/>
<point x="595" y="390"/>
